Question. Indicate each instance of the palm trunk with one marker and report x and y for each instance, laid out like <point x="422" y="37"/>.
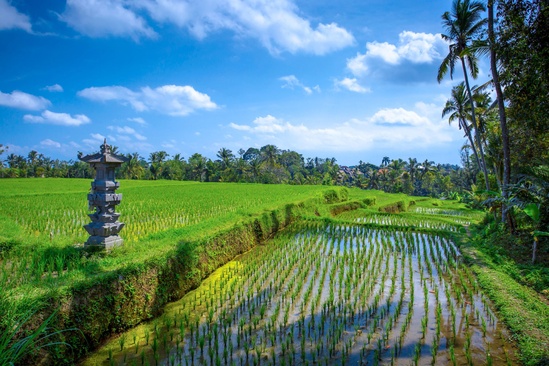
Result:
<point x="475" y="127"/>
<point x="468" y="133"/>
<point x="502" y="117"/>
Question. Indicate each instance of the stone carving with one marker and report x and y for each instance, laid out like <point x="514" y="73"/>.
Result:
<point x="105" y="226"/>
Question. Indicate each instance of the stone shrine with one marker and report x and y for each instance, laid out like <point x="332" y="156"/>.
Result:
<point x="105" y="226"/>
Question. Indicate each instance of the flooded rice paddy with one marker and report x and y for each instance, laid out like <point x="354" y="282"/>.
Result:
<point x="337" y="295"/>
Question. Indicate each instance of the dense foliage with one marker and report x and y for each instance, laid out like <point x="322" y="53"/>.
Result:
<point x="509" y="136"/>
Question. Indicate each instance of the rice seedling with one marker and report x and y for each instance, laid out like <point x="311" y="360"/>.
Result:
<point x="319" y="294"/>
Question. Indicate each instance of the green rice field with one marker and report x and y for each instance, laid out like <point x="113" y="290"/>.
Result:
<point x="354" y="281"/>
<point x="329" y="295"/>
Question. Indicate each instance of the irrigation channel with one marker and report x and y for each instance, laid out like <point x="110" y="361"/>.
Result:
<point x="327" y="295"/>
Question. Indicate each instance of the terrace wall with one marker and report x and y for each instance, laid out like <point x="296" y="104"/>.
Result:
<point x="120" y="300"/>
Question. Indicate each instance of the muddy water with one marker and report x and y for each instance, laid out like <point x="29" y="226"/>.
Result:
<point x="342" y="295"/>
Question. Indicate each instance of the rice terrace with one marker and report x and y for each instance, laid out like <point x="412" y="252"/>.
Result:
<point x="216" y="226"/>
<point x="307" y="275"/>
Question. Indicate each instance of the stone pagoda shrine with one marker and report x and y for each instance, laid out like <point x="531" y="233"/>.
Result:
<point x="105" y="226"/>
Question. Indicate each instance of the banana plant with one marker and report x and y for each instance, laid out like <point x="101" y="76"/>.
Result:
<point x="533" y="211"/>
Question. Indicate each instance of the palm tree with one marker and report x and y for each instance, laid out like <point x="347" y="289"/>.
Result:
<point x="134" y="170"/>
<point x="199" y="166"/>
<point x="2" y="150"/>
<point x="241" y="167"/>
<point x="501" y="110"/>
<point x="412" y="169"/>
<point x="456" y="107"/>
<point x="157" y="159"/>
<point x="269" y="155"/>
<point x="385" y="161"/>
<point x="463" y="25"/>
<point x="226" y="157"/>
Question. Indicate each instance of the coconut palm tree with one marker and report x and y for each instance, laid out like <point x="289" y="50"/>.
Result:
<point x="462" y="26"/>
<point x="199" y="166"/>
<point x="157" y="159"/>
<point x="134" y="169"/>
<point x="490" y="48"/>
<point x="412" y="170"/>
<point x="456" y="108"/>
<point x="226" y="157"/>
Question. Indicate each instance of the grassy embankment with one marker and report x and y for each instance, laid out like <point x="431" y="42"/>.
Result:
<point x="524" y="310"/>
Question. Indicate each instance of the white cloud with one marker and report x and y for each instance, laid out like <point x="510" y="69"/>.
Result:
<point x="123" y="132"/>
<point x="387" y="52"/>
<point x="50" y="143"/>
<point x="119" y="93"/>
<point x="276" y="24"/>
<point x="54" y="88"/>
<point x="399" y="116"/>
<point x="413" y="47"/>
<point x="352" y="84"/>
<point x="17" y="99"/>
<point x="61" y="119"/>
<point x="357" y="65"/>
<point x="385" y="129"/>
<point x="11" y="18"/>
<point x="95" y="141"/>
<point x="421" y="47"/>
<point x="138" y="120"/>
<point x="291" y="82"/>
<point x="102" y="18"/>
<point x="172" y="100"/>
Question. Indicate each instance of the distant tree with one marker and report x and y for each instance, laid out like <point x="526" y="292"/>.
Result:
<point x="251" y="154"/>
<point x="156" y="160"/>
<point x="269" y="155"/>
<point x="132" y="169"/>
<point x="226" y="156"/>
<point x="292" y="162"/>
<point x="198" y="166"/>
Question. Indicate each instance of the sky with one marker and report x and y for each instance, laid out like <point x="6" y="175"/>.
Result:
<point x="350" y="79"/>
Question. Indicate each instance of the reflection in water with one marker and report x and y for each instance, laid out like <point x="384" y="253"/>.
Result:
<point x="327" y="295"/>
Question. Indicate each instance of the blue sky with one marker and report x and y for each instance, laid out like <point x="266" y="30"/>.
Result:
<point x="350" y="79"/>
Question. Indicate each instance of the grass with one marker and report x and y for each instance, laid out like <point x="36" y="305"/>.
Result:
<point x="40" y="228"/>
<point x="523" y="310"/>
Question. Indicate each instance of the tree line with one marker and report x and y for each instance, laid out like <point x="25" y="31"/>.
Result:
<point x="269" y="165"/>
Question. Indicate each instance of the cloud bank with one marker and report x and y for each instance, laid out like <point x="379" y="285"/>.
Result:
<point x="20" y="100"/>
<point x="173" y="100"/>
<point x="60" y="119"/>
<point x="276" y="24"/>
<point x="11" y="18"/>
<point x="389" y="127"/>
